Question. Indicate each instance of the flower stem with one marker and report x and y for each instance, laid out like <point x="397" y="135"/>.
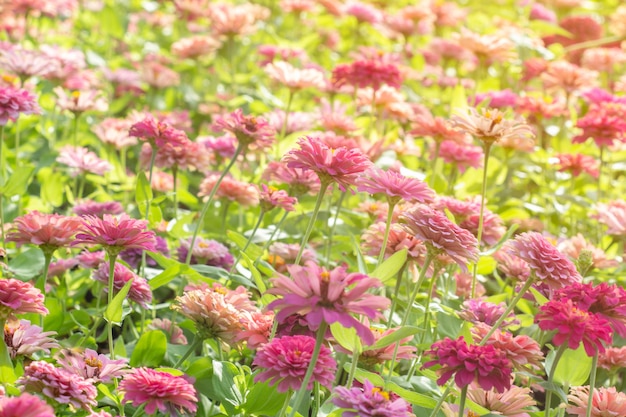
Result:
<point x="482" y="212"/>
<point x="508" y="310"/>
<point x="600" y="169"/>
<point x="396" y="291"/>
<point x="197" y="341"/>
<point x="41" y="281"/>
<point x="329" y="241"/>
<point x="440" y="402"/>
<point x="353" y="366"/>
<point x="112" y="258"/>
<point x="175" y="190"/>
<point x="2" y="163"/>
<point x="433" y="171"/>
<point x="205" y="208"/>
<point x="321" y="334"/>
<point x="320" y="196"/>
<point x="592" y="382"/>
<point x="75" y="129"/>
<point x="283" y="130"/>
<point x="283" y="410"/>
<point x="381" y="255"/>
<point x="269" y="241"/>
<point x="462" y="401"/>
<point x="555" y="362"/>
<point x="243" y="250"/>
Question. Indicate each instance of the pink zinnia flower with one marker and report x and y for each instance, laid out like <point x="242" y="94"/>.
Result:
<point x="14" y="101"/>
<point x="481" y="311"/>
<point x="81" y="161"/>
<point x="574" y="325"/>
<point x="370" y="401"/>
<point x="327" y="296"/>
<point x="115" y="132"/>
<point x="90" y="260"/>
<point x="363" y="12"/>
<point x="613" y="359"/>
<point x="521" y="350"/>
<point x="440" y="234"/>
<point x="26" y="405"/>
<point x="463" y="156"/>
<point x="156" y="132"/>
<point x="512" y="266"/>
<point x="258" y="328"/>
<point x="92" y="366"/>
<point x="195" y="46"/>
<point x="512" y="402"/>
<point x="604" y="123"/>
<point x="575" y="247"/>
<point x="300" y="181"/>
<point x="250" y="131"/>
<point x="18" y="297"/>
<point x="187" y="155"/>
<point x="395" y="186"/>
<point x="284" y="361"/>
<point x="48" y="231"/>
<point x="578" y="163"/>
<point x="94" y="208"/>
<point x="206" y="252"/>
<point x="341" y="165"/>
<point x="439" y="129"/>
<point x="24" y="339"/>
<point x="162" y="391"/>
<point x="486" y="365"/>
<point x="173" y="331"/>
<point x="376" y="356"/>
<point x="398" y="239"/>
<point x="490" y="125"/>
<point x="58" y="385"/>
<point x="294" y="78"/>
<point x="231" y="189"/>
<point x="613" y="215"/>
<point x="133" y="256"/>
<point x="78" y="101"/>
<point x="545" y="261"/>
<point x="283" y="254"/>
<point x="497" y="99"/>
<point x="367" y="73"/>
<point x="272" y="197"/>
<point x="116" y="233"/>
<point x="139" y="292"/>
<point x="605" y="402"/>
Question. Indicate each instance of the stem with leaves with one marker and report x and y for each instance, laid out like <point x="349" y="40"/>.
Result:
<point x="112" y="258"/>
<point x="305" y="239"/>
<point x="555" y="362"/>
<point x="487" y="146"/>
<point x="592" y="383"/>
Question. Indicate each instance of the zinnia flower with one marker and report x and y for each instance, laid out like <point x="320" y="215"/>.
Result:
<point x="511" y="403"/>
<point x="370" y="401"/>
<point x="250" y="131"/>
<point x="26" y="405"/>
<point x="490" y="125"/>
<point x="15" y="101"/>
<point x="606" y="402"/>
<point x="156" y="132"/>
<point x="91" y="365"/>
<point x="520" y="350"/>
<point x="300" y="181"/>
<point x="18" y="297"/>
<point x="395" y="186"/>
<point x="206" y="252"/>
<point x="173" y="331"/>
<point x="613" y="215"/>
<point x="94" y="208"/>
<point x="81" y="161"/>
<point x="171" y="395"/>
<point x="294" y="78"/>
<point x="486" y="365"/>
<point x="271" y="197"/>
<point x="48" y="231"/>
<point x="578" y="163"/>
<point x="58" y="385"/>
<point x="613" y="359"/>
<point x="116" y="233"/>
<point x="285" y="360"/>
<point x="481" y="311"/>
<point x="231" y="189"/>
<point x="327" y="296"/>
<point x="139" y="292"/>
<point x="436" y="231"/>
<point x="24" y="339"/>
<point x="367" y="73"/>
<point x="341" y="165"/>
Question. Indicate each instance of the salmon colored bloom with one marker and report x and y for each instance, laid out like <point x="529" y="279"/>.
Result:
<point x="271" y="198"/>
<point x="18" y="297"/>
<point x="487" y="48"/>
<point x="48" y="231"/>
<point x="521" y="350"/>
<point x="294" y="78"/>
<point x="398" y="239"/>
<point x="116" y="233"/>
<point x="158" y="390"/>
<point x="578" y="163"/>
<point x="341" y="165"/>
<point x="78" y="101"/>
<point x="613" y="359"/>
<point x="511" y="403"/>
<point x="195" y="47"/>
<point x="376" y="356"/>
<point x="604" y="123"/>
<point x="606" y="402"/>
<point x="572" y="79"/>
<point x="206" y="252"/>
<point x="285" y="360"/>
<point x="171" y="330"/>
<point x="231" y="189"/>
<point x="16" y="101"/>
<point x="370" y="401"/>
<point x="26" y="405"/>
<point x="395" y="186"/>
<point x="115" y="132"/>
<point x="439" y="129"/>
<point x="574" y="247"/>
<point x="300" y="181"/>
<point x="327" y="296"/>
<point x="491" y="125"/>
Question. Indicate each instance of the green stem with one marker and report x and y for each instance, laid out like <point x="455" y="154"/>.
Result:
<point x="555" y="362"/>
<point x="41" y="281"/>
<point x="592" y="382"/>
<point x="481" y="215"/>
<point x="2" y="163"/>
<point x="320" y="196"/>
<point x="283" y="130"/>
<point x="396" y="292"/>
<point x="7" y="370"/>
<point x="4" y="243"/>
<point x="462" y="401"/>
<point x="600" y="169"/>
<point x="17" y="145"/>
<point x="433" y="177"/>
<point x="112" y="258"/>
<point x="149" y="200"/>
<point x="205" y="208"/>
<point x="285" y="406"/>
<point x="138" y="411"/>
<point x="75" y="128"/>
<point x="321" y="334"/>
<point x="254" y="230"/>
<point x="372" y="120"/>
<point x="175" y="190"/>
<point x="197" y="341"/>
<point x="381" y="255"/>
<point x="329" y="241"/>
<point x="269" y="241"/>
<point x="353" y="366"/>
<point x="440" y="402"/>
<point x="594" y="43"/>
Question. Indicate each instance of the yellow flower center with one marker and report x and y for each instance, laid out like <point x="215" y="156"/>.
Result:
<point x="384" y="394"/>
<point x="76" y="94"/>
<point x="325" y="276"/>
<point x="9" y="78"/>
<point x="94" y="362"/>
<point x="220" y="290"/>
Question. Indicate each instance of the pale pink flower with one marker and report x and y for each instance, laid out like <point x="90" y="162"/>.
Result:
<point x="477" y="311"/>
<point x="195" y="46"/>
<point x="231" y="189"/>
<point x="497" y="99"/>
<point x="116" y="233"/>
<point x="295" y="78"/>
<point x="612" y="215"/>
<point x="511" y="403"/>
<point x="186" y="156"/>
<point x="512" y="266"/>
<point x="91" y="366"/>
<point x="159" y="390"/>
<point x="223" y="146"/>
<point x="206" y="252"/>
<point x="606" y="402"/>
<point x="562" y="75"/>
<point x="283" y="254"/>
<point x="301" y="181"/>
<point x="16" y="101"/>
<point x="377" y="356"/>
<point x="157" y="75"/>
<point x="230" y="20"/>
<point x="602" y="59"/>
<point x="578" y="163"/>
<point x="90" y="260"/>
<point x="139" y="291"/>
<point x="329" y="296"/>
<point x="98" y="209"/>
<point x="58" y="385"/>
<point x="522" y="351"/>
<point x="574" y="246"/>
<point x="363" y="12"/>
<point x="367" y="73"/>
<point x="486" y="47"/>
<point x="82" y="161"/>
<point x="464" y="285"/>
<point x="490" y="125"/>
<point x="26" y="405"/>
<point x="617" y="23"/>
<point x="48" y="231"/>
<point x="258" y="328"/>
<point x="115" y="132"/>
<point x="60" y="266"/>
<point x="297" y="121"/>
<point x="439" y="129"/>
<point x="613" y="358"/>
<point x="26" y="63"/>
<point x="271" y="198"/>
<point x="23" y="339"/>
<point x="162" y="182"/>
<point x="394" y="186"/>
<point x="18" y="297"/>
<point x="172" y="330"/>
<point x="78" y="101"/>
<point x="370" y="401"/>
<point x="333" y="117"/>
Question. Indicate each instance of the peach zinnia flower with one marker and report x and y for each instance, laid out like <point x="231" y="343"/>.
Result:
<point x="195" y="46"/>
<point x="116" y="233"/>
<point x="562" y="75"/>
<point x="48" y="231"/>
<point x="231" y="189"/>
<point x="605" y="402"/>
<point x="81" y="161"/>
<point x="613" y="215"/>
<point x="486" y="47"/>
<point x="91" y="365"/>
<point x="490" y="125"/>
<point x="512" y="402"/>
<point x="295" y="78"/>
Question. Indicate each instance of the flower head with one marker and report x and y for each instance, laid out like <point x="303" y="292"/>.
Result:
<point x="231" y="189"/>
<point x="116" y="233"/>
<point x="81" y="161"/>
<point x="520" y="350"/>
<point x="367" y="73"/>
<point x="156" y="132"/>
<point x="284" y="361"/>
<point x="15" y="101"/>
<point x="26" y="405"/>
<point x="250" y="131"/>
<point x="94" y="208"/>
<point x="613" y="359"/>
<point x="92" y="366"/>
<point x="294" y="78"/>
<point x="578" y="163"/>
<point x="160" y="391"/>
<point x="206" y="252"/>
<point x="80" y="101"/>
<point x="18" y="297"/>
<point x="341" y="165"/>
<point x="301" y="181"/>
<point x="481" y="311"/>
<point x="173" y="331"/>
<point x="511" y="402"/>
<point x="606" y="402"/>
<point x="395" y="186"/>
<point x="48" y="231"/>
<point x="272" y="197"/>
<point x="370" y="401"/>
<point x="486" y="365"/>
<point x="613" y="215"/>
<point x="490" y="125"/>
<point x="139" y="291"/>
<point x="24" y="339"/>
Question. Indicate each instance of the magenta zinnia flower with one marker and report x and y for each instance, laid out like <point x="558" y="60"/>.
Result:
<point x="59" y="385"/>
<point x="341" y="165"/>
<point x="250" y="131"/>
<point x="327" y="296"/>
<point x="545" y="261"/>
<point x="116" y="233"/>
<point x="574" y="325"/>
<point x="48" y="231"/>
<point x="18" y="297"/>
<point x="26" y="405"/>
<point x="157" y="133"/>
<point x="370" y="401"/>
<point x="169" y="394"/>
<point x="395" y="186"/>
<point x="486" y="365"/>
<point x="285" y="360"/>
<point x="15" y="101"/>
<point x="437" y="231"/>
<point x="91" y="365"/>
<point x="367" y="73"/>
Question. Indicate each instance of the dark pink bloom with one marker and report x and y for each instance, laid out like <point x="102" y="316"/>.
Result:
<point x="58" y="267"/>
<point x="574" y="325"/>
<point x="341" y="165"/>
<point x="327" y="296"/>
<point x="116" y="233"/>
<point x="156" y="132"/>
<point x="272" y="197"/>
<point x="370" y="401"/>
<point x="462" y="155"/>
<point x="48" y="231"/>
<point x="139" y="291"/>
<point x="395" y="186"/>
<point x="497" y="99"/>
<point x="59" y="385"/>
<point x="15" y="101"/>
<point x="250" y="131"/>
<point x="26" y="405"/>
<point x="367" y="73"/>
<point x="160" y="391"/>
<point x="24" y="339"/>
<point x="578" y="163"/>
<point x="604" y="123"/>
<point x="545" y="261"/>
<point x="92" y="366"/>
<point x="486" y="365"/>
<point x="437" y="231"/>
<point x="284" y="361"/>
<point x="18" y="297"/>
<point x="94" y="208"/>
<point x="520" y="350"/>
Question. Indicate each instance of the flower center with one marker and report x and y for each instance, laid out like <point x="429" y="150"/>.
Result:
<point x="382" y="393"/>
<point x="93" y="362"/>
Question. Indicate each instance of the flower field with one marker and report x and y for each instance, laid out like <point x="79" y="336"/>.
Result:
<point x="294" y="208"/>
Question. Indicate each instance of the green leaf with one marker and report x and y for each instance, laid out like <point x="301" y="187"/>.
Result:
<point x="18" y="182"/>
<point x="7" y="373"/>
<point x="391" y="266"/>
<point x="573" y="368"/>
<point x="346" y="337"/>
<point x="397" y="335"/>
<point x="150" y="349"/>
<point x="539" y="298"/>
<point x="107" y="393"/>
<point x="51" y="186"/>
<point x="253" y="251"/>
<point x="502" y="240"/>
<point x="164" y="277"/>
<point x="226" y="389"/>
<point x="486" y="265"/>
<point x="143" y="193"/>
<point x="113" y="312"/>
<point x="28" y="264"/>
<point x="458" y="104"/>
<point x="263" y="399"/>
<point x="256" y="275"/>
